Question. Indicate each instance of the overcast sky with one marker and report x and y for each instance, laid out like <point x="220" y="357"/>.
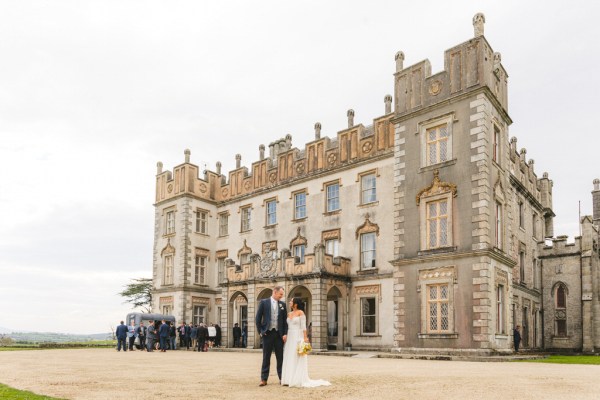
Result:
<point x="94" y="93"/>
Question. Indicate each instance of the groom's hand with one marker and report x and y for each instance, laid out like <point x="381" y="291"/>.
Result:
<point x="284" y="337"/>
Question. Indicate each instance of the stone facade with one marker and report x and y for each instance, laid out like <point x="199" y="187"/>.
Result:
<point x="424" y="231"/>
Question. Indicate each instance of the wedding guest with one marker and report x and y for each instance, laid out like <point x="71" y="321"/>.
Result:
<point x="163" y="335"/>
<point x="131" y="335"/>
<point x="181" y="331"/>
<point x="517" y="337"/>
<point x="150" y="336"/>
<point x="245" y="336"/>
<point x="202" y="337"/>
<point x="237" y="334"/>
<point x="194" y="336"/>
<point x="188" y="335"/>
<point x="172" y="335"/>
<point x="140" y="331"/>
<point x="121" y="334"/>
<point x="219" y="335"/>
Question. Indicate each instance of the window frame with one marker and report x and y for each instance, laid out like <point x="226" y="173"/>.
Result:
<point x="245" y="218"/>
<point x="336" y="247"/>
<point x="438" y="302"/>
<point x="336" y="199"/>
<point x="499" y="216"/>
<point x="201" y="222"/>
<point x="300" y="248"/>
<point x="200" y="264"/>
<point x="424" y="127"/>
<point x="220" y="270"/>
<point x="223" y="224"/>
<point x="496" y="144"/>
<point x="364" y="191"/>
<point x="269" y="213"/>
<point x="374" y="316"/>
<point x="169" y="222"/>
<point x="425" y="226"/>
<point x="363" y="251"/>
<point x="437" y="276"/>
<point x="297" y="207"/>
<point x="500" y="309"/>
<point x="199" y="318"/>
<point x="168" y="270"/>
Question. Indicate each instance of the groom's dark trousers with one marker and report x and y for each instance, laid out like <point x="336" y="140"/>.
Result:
<point x="271" y="341"/>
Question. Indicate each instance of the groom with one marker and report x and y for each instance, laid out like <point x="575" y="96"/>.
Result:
<point x="271" y="323"/>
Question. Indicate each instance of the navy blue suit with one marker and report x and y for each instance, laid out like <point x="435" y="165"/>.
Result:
<point x="272" y="339"/>
<point x="121" y="333"/>
<point x="163" y="333"/>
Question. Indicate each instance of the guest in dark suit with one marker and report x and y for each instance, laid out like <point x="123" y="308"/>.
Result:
<point x="163" y="334"/>
<point x="121" y="334"/>
<point x="202" y="336"/>
<point x="140" y="331"/>
<point x="219" y="335"/>
<point x="150" y="335"/>
<point x="271" y="323"/>
<point x="237" y="334"/>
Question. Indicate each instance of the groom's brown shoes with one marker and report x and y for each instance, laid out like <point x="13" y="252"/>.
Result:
<point x="262" y="383"/>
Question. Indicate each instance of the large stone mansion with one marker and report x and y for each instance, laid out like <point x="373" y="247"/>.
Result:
<point x="425" y="230"/>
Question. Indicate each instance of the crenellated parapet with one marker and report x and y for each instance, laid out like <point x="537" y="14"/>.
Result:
<point x="284" y="165"/>
<point x="470" y="65"/>
<point x="523" y="176"/>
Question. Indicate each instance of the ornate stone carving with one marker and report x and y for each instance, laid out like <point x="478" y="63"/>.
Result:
<point x="170" y="187"/>
<point x="222" y="254"/>
<point x="435" y="87"/>
<point x="225" y="193"/>
<point x="331" y="234"/>
<point x="501" y="277"/>
<point x="367" y="290"/>
<point x="244" y="250"/>
<point x="367" y="147"/>
<point x="168" y="249"/>
<point x="202" y="188"/>
<point x="247" y="185"/>
<point x="298" y="240"/>
<point x="202" y="252"/>
<point x="331" y="158"/>
<point x="436" y="187"/>
<point x="200" y="300"/>
<point x="273" y="177"/>
<point x="367" y="227"/>
<point x="269" y="262"/>
<point x="300" y="168"/>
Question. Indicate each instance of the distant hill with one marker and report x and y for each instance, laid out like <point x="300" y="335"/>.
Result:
<point x="45" y="337"/>
<point x="5" y="330"/>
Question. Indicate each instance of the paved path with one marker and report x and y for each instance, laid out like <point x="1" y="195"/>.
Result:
<point x="106" y="374"/>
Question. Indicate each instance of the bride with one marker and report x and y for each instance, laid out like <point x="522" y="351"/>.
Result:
<point x="295" y="366"/>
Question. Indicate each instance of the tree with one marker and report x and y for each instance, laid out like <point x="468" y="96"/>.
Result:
<point x="139" y="293"/>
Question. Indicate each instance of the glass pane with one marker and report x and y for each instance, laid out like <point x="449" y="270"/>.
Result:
<point x="443" y="207"/>
<point x="433" y="153"/>
<point x="433" y="292"/>
<point x="432" y="210"/>
<point x="443" y="131"/>
<point x="443" y="231"/>
<point x="443" y="150"/>
<point x="433" y="233"/>
<point x="444" y="292"/>
<point x="433" y="317"/>
<point x="431" y="135"/>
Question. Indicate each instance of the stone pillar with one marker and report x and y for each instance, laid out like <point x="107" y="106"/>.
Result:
<point x="238" y="161"/>
<point x="350" y="115"/>
<point x="478" y="22"/>
<point x="317" y="130"/>
<point x="288" y="142"/>
<point x="159" y="167"/>
<point x="399" y="61"/>
<point x="187" y="153"/>
<point x="218" y="167"/>
<point x="388" y="103"/>
<point x="261" y="151"/>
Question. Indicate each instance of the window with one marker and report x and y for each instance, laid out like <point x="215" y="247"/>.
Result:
<point x="246" y="215"/>
<point x="367" y="250"/>
<point x="300" y="205"/>
<point x="299" y="251"/>
<point x="496" y="145"/>
<point x="333" y="197"/>
<point x="168" y="270"/>
<point x="201" y="222"/>
<point x="521" y="215"/>
<point x="561" y="311"/>
<point x="437" y="224"/>
<point x="368" y="315"/>
<point x="368" y="186"/>
<point x="534" y="222"/>
<point x="223" y="224"/>
<point x="498" y="225"/>
<point x="200" y="270"/>
<point x="271" y="212"/>
<point x="437" y="144"/>
<point x="332" y="247"/>
<point x="199" y="315"/>
<point x="166" y="309"/>
<point x="437" y="308"/>
<point x="220" y="270"/>
<point x="170" y="225"/>
<point x="245" y="258"/>
<point x="522" y="266"/>
<point x="500" y="325"/>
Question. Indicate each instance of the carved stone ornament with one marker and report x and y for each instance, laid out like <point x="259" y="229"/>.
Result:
<point x="244" y="250"/>
<point x="435" y="87"/>
<point x="268" y="262"/>
<point x="298" y="240"/>
<point x="367" y="147"/>
<point x="247" y="185"/>
<point x="368" y="290"/>
<point x="300" y="168"/>
<point x="367" y="227"/>
<point x="170" y="187"/>
<point x="202" y="188"/>
<point x="168" y="248"/>
<point x="200" y="300"/>
<point x="436" y="187"/>
<point x="332" y="158"/>
<point x="561" y="314"/>
<point x="273" y="177"/>
<point x="225" y="192"/>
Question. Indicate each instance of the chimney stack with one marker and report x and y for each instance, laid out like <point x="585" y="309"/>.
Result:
<point x="350" y="115"/>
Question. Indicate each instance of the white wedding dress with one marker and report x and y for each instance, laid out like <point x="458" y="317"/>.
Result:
<point x="295" y="366"/>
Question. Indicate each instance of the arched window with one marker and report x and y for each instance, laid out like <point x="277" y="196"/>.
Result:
<point x="560" y="313"/>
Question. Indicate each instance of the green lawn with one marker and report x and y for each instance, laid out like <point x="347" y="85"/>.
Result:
<point x="590" y="360"/>
<point x="8" y="393"/>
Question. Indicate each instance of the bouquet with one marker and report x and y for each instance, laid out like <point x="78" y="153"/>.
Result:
<point x="304" y="348"/>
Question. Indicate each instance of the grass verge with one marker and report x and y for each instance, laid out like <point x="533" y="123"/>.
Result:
<point x="556" y="359"/>
<point x="8" y="393"/>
